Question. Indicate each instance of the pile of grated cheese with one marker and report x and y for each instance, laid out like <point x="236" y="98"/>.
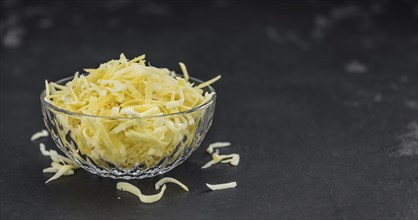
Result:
<point x="128" y="88"/>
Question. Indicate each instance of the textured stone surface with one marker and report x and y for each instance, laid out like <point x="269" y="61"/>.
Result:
<point x="319" y="99"/>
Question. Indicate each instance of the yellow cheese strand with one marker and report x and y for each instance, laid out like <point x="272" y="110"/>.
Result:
<point x="209" y="82"/>
<point x="217" y="145"/>
<point x="40" y="134"/>
<point x="62" y="170"/>
<point x="43" y="150"/>
<point x="232" y="159"/>
<point x="184" y="70"/>
<point x="60" y="165"/>
<point x="216" y="158"/>
<point x="55" y="170"/>
<point x="165" y="180"/>
<point x="124" y="186"/>
<point x="222" y="186"/>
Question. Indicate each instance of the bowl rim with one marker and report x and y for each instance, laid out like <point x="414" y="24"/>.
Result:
<point x="66" y="79"/>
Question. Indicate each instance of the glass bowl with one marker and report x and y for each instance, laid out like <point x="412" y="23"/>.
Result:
<point x="75" y="142"/>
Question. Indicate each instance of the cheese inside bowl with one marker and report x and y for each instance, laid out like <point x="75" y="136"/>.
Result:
<point x="134" y="140"/>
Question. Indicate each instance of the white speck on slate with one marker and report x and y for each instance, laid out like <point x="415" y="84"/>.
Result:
<point x="377" y="98"/>
<point x="412" y="104"/>
<point x="273" y="35"/>
<point x="408" y="141"/>
<point x="394" y="86"/>
<point x="13" y="37"/>
<point x="403" y="79"/>
<point x="344" y="11"/>
<point x="356" y="67"/>
<point x="321" y="21"/>
<point x="45" y="23"/>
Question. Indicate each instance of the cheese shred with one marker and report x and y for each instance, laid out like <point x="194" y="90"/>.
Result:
<point x="61" y="171"/>
<point x="217" y="145"/>
<point x="43" y="150"/>
<point x="184" y="70"/>
<point x="40" y="134"/>
<point x="124" y="186"/>
<point x="165" y="180"/>
<point x="60" y="165"/>
<point x="232" y="159"/>
<point x="221" y="186"/>
<point x="209" y="82"/>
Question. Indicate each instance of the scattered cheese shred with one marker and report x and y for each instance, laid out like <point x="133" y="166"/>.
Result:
<point x="208" y="164"/>
<point x="61" y="171"/>
<point x="165" y="180"/>
<point x="50" y="170"/>
<point x="60" y="165"/>
<point x="54" y="170"/>
<point x="222" y="186"/>
<point x="128" y="88"/>
<point x="40" y="134"/>
<point x="43" y="150"/>
<point x="124" y="186"/>
<point x="217" y="145"/>
<point x="233" y="159"/>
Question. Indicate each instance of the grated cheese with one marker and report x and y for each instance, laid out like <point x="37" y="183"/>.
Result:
<point x="124" y="186"/>
<point x="59" y="158"/>
<point x="54" y="170"/>
<point x="216" y="158"/>
<point x="43" y="150"/>
<point x="40" y="134"/>
<point x="128" y="88"/>
<point x="217" y="145"/>
<point x="61" y="171"/>
<point x="50" y="170"/>
<point x="184" y="70"/>
<point x="222" y="186"/>
<point x="60" y="165"/>
<point x="165" y="180"/>
<point x="209" y="82"/>
<point x="232" y="159"/>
